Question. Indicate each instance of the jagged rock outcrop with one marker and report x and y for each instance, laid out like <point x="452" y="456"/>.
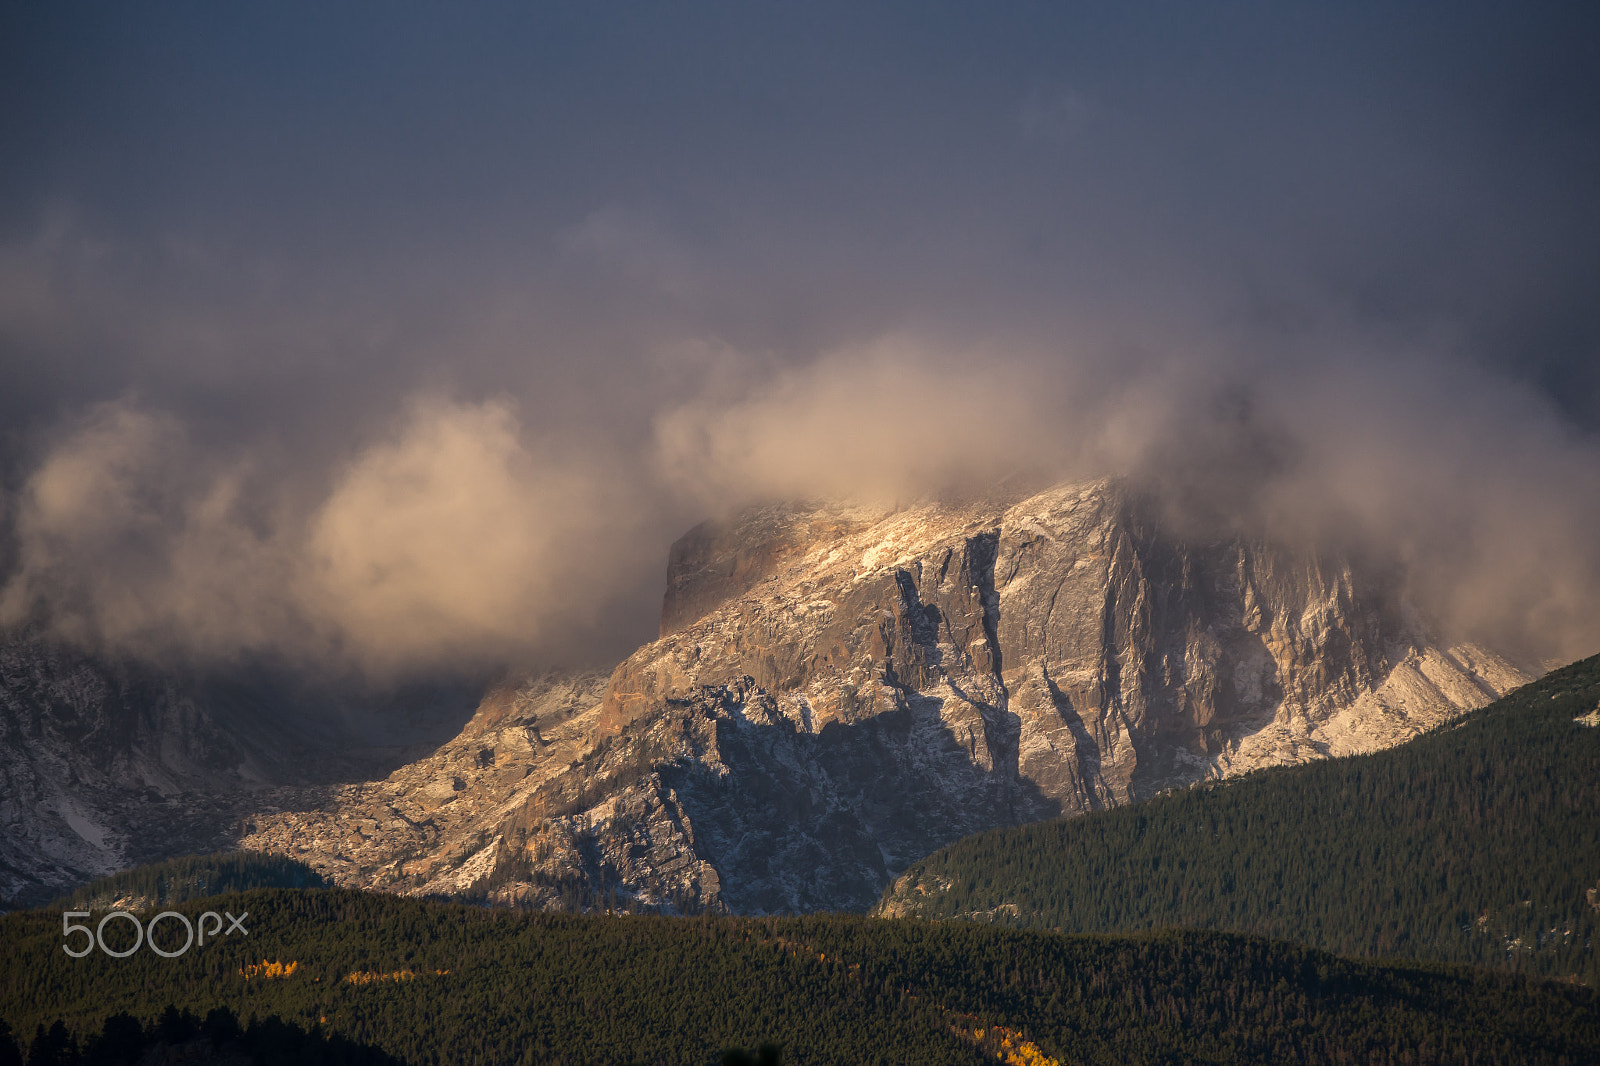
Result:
<point x="838" y="691"/>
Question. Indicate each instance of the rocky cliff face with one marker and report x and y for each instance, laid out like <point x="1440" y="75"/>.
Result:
<point x="90" y="753"/>
<point x="837" y="692"/>
<point x="106" y="764"/>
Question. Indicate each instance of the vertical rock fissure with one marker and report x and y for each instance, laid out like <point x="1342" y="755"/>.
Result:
<point x="1004" y="728"/>
<point x="982" y="551"/>
<point x="1086" y="752"/>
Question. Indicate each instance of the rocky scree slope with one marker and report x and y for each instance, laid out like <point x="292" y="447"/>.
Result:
<point x="839" y="691"/>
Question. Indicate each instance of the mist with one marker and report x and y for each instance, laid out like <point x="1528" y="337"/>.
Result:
<point x="412" y="348"/>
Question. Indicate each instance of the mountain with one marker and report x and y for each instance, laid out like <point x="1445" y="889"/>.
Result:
<point x="838" y="691"/>
<point x="429" y="983"/>
<point x="106" y="762"/>
<point x="1479" y="842"/>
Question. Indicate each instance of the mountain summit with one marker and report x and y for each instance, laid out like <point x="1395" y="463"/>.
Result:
<point x="838" y="691"/>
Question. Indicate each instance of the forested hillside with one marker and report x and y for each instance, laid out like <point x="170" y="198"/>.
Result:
<point x="1479" y="842"/>
<point x="191" y="877"/>
<point x="443" y="983"/>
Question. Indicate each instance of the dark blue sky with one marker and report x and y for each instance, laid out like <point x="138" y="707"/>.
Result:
<point x="816" y="164"/>
<point x="278" y="225"/>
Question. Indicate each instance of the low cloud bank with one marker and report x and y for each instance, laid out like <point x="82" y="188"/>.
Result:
<point x="427" y="365"/>
<point x="458" y="539"/>
<point x="1470" y="484"/>
<point x="464" y="534"/>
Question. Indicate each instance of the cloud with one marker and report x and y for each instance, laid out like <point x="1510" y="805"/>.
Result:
<point x="1486" y="498"/>
<point x="888" y="418"/>
<point x="459" y="536"/>
<point x="459" y="539"/>
<point x="1467" y="484"/>
<point x="429" y="364"/>
<point x="127" y="537"/>
<point x="453" y="543"/>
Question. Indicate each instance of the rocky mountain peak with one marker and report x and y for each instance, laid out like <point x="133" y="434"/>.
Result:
<point x="838" y="691"/>
<point x="719" y="561"/>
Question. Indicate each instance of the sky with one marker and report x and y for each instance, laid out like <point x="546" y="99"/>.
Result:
<point x="402" y="337"/>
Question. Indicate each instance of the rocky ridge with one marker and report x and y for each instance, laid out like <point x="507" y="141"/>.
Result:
<point x="838" y="691"/>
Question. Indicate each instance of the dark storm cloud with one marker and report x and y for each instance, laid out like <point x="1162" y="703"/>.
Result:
<point x="414" y="336"/>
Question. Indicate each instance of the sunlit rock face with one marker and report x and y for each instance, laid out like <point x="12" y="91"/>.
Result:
<point x="839" y="691"/>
